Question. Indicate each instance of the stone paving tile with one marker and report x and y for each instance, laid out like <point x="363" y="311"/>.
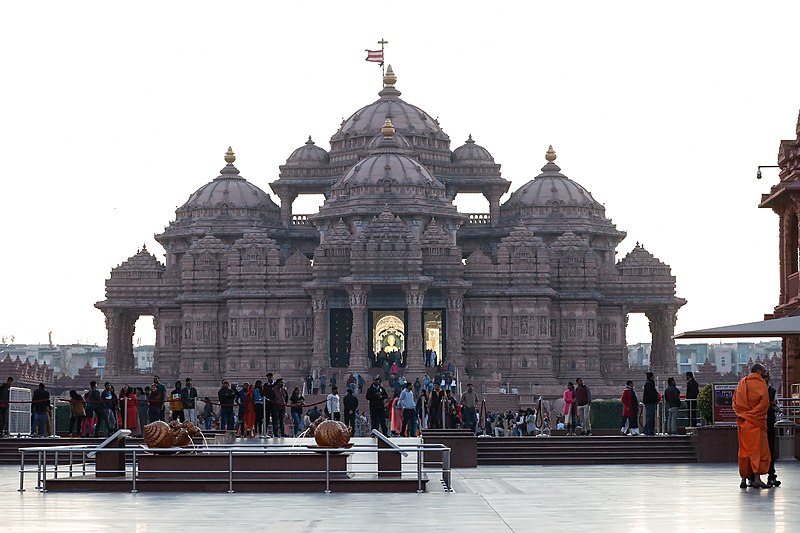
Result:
<point x="674" y="498"/>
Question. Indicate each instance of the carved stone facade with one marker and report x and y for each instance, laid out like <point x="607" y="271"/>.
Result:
<point x="529" y="292"/>
<point x="784" y="200"/>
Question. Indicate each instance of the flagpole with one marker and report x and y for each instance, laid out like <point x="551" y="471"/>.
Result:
<point x="383" y="57"/>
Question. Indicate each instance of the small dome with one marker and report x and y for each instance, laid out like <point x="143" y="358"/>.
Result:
<point x="471" y="154"/>
<point x="226" y="192"/>
<point x="308" y="155"/>
<point x="392" y="168"/>
<point x="551" y="189"/>
<point x="400" y="143"/>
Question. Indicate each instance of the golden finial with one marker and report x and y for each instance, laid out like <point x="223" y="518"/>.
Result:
<point x="389" y="78"/>
<point x="388" y="129"/>
<point x="550" y="155"/>
<point x="230" y="157"/>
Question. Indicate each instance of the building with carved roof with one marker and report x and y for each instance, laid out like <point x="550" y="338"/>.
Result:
<point x="389" y="269"/>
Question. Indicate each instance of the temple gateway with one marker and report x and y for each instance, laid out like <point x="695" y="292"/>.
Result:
<point x="528" y="292"/>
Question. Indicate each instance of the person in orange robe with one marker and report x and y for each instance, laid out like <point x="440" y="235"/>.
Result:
<point x="750" y="402"/>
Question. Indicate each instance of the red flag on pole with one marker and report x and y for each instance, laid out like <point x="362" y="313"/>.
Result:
<point x="374" y="56"/>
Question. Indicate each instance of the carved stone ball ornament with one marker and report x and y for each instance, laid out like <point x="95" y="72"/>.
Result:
<point x="331" y="434"/>
<point x="159" y="434"/>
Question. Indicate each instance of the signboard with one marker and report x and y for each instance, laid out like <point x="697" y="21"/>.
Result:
<point x="724" y="414"/>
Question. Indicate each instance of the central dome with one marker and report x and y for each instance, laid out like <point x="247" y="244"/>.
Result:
<point x="389" y="169"/>
<point x="407" y="119"/>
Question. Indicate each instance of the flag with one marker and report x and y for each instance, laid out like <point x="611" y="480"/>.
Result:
<point x="375" y="56"/>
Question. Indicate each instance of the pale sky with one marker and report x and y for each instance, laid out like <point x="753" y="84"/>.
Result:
<point x="114" y="113"/>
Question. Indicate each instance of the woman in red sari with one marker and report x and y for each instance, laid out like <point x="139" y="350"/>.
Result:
<point x="249" y="411"/>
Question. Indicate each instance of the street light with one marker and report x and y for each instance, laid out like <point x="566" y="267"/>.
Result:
<point x="758" y="174"/>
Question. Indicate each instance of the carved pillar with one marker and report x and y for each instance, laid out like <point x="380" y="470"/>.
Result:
<point x="782" y="254"/>
<point x="358" y="339"/>
<point x="493" y="198"/>
<point x="126" y="361"/>
<point x="114" y="329"/>
<point x="321" y="357"/>
<point x="455" y="319"/>
<point x="287" y="198"/>
<point x="663" y="354"/>
<point x="415" y="297"/>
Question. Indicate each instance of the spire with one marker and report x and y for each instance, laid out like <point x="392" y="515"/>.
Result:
<point x="309" y="141"/>
<point x="388" y="129"/>
<point x="470" y="141"/>
<point x="389" y="79"/>
<point x="550" y="155"/>
<point x="230" y="157"/>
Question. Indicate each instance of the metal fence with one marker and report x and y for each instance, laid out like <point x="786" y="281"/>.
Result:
<point x="59" y="462"/>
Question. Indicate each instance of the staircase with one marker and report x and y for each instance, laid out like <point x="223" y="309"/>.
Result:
<point x="584" y="450"/>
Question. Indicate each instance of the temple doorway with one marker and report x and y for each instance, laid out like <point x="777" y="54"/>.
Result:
<point x="388" y="336"/>
<point x="433" y="321"/>
<point x="341" y="331"/>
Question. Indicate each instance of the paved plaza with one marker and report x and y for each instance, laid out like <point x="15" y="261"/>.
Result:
<point x="671" y="498"/>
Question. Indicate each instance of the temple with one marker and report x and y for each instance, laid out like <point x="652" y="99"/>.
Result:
<point x="388" y="268"/>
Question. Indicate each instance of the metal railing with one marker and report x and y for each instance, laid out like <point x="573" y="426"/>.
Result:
<point x="50" y="463"/>
<point x="789" y="409"/>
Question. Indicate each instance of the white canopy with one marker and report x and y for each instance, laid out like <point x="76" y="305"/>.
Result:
<point x="777" y="327"/>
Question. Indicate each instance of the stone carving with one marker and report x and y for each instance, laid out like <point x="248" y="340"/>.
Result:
<point x="159" y="434"/>
<point x="330" y="433"/>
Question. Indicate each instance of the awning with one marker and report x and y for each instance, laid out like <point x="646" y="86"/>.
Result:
<point x="777" y="327"/>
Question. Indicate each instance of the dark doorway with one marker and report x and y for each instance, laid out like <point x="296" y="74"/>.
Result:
<point x="341" y="333"/>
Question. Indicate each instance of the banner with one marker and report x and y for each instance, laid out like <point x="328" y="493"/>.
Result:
<point x="724" y="414"/>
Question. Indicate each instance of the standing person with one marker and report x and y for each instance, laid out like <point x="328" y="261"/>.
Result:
<point x="351" y="383"/>
<point x="226" y="398"/>
<point x="296" y="400"/>
<point x="279" y="408"/>
<point x="247" y="400"/>
<point x="5" y="398"/>
<point x="208" y="413"/>
<point x="323" y="382"/>
<point x="650" y="399"/>
<point x="131" y="406"/>
<point x="422" y="411"/>
<point x="630" y="410"/>
<point x="395" y="414"/>
<point x="772" y="478"/>
<point x="751" y="403"/>
<point x="673" y="398"/>
<point x="40" y="406"/>
<point x="361" y="383"/>
<point x="141" y="408"/>
<point x="408" y="405"/>
<point x="163" y="390"/>
<point x="333" y="404"/>
<point x="155" y="400"/>
<point x="258" y="405"/>
<point x="350" y="407"/>
<point x="77" y="412"/>
<point x="569" y="408"/>
<point x="309" y="383"/>
<point x="105" y="414"/>
<point x="583" y="400"/>
<point x="189" y="395"/>
<point x="469" y="407"/>
<point x="377" y="396"/>
<point x="176" y="402"/>
<point x="692" y="390"/>
<point x="269" y="394"/>
<point x="435" y="403"/>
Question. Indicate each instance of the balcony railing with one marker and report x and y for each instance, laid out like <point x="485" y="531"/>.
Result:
<point x="300" y="220"/>
<point x="480" y="218"/>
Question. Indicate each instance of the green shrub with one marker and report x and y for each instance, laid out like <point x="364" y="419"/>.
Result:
<point x="606" y="414"/>
<point x="704" y="402"/>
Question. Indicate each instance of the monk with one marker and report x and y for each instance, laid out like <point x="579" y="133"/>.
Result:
<point x="751" y="402"/>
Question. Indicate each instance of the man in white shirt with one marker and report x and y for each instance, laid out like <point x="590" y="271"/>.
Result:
<point x="334" y="409"/>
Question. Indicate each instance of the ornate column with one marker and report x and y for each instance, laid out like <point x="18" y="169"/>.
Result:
<point x="663" y="354"/>
<point x="455" y="319"/>
<point x="113" y="327"/>
<point x="320" y="357"/>
<point x="358" y="339"/>
<point x="782" y="253"/>
<point x="126" y="361"/>
<point x="415" y="296"/>
<point x="287" y="196"/>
